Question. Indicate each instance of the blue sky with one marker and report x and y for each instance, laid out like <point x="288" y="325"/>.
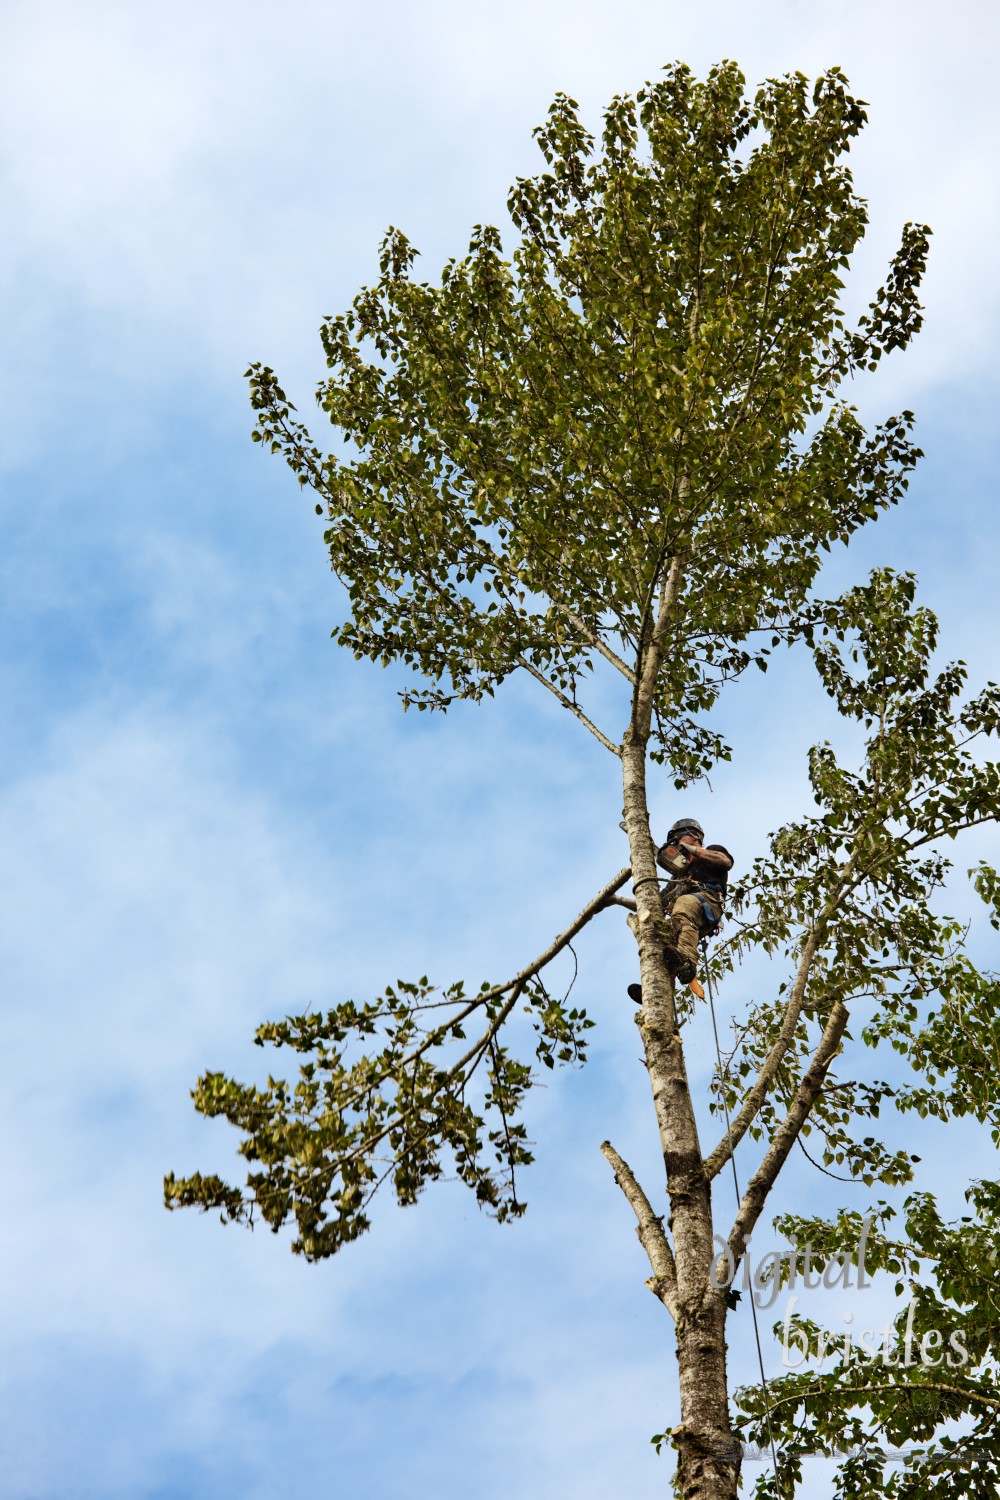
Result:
<point x="210" y="816"/>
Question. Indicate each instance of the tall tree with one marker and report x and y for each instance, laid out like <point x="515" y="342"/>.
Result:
<point x="621" y="451"/>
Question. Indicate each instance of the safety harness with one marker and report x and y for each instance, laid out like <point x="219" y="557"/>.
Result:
<point x="697" y="888"/>
<point x="714" y="922"/>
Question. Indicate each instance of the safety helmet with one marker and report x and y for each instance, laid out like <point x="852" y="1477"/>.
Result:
<point x="685" y="825"/>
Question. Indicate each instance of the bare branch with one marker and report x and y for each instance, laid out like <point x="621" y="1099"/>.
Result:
<point x="593" y="906"/>
<point x="649" y="1228"/>
<point x="568" y="703"/>
<point x="785" y="1136"/>
<point x="595" y="640"/>
<point x="837" y="1176"/>
<point x="847" y="878"/>
<point x="951" y="831"/>
<point x="770" y="1065"/>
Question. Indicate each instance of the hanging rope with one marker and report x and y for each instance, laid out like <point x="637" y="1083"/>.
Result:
<point x="736" y="1185"/>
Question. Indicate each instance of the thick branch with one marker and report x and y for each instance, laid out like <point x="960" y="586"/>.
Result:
<point x="568" y="703"/>
<point x="785" y="1136"/>
<point x="789" y="1021"/>
<point x="771" y="1063"/>
<point x="649" y="1228"/>
<point x="593" y="906"/>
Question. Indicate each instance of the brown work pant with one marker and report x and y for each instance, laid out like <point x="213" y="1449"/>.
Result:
<point x="687" y="921"/>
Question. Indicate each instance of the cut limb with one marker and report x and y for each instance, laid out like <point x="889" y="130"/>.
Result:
<point x="649" y="1228"/>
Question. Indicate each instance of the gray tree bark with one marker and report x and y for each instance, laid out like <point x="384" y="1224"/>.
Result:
<point x="708" y="1455"/>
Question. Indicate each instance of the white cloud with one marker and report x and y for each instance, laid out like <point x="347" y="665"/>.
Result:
<point x="203" y="183"/>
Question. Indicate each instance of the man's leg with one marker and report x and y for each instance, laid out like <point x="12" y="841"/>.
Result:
<point x="687" y="922"/>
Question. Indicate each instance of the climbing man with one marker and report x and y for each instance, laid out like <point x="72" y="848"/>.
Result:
<point x="693" y="897"/>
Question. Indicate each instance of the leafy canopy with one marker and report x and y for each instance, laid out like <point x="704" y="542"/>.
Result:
<point x="653" y="373"/>
<point x="861" y="880"/>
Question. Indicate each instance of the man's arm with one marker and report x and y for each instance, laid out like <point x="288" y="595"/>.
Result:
<point x="717" y="857"/>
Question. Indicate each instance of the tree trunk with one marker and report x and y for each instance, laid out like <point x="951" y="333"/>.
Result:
<point x="708" y="1455"/>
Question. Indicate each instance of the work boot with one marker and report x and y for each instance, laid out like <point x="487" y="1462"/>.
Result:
<point x="682" y="948"/>
<point x="681" y="967"/>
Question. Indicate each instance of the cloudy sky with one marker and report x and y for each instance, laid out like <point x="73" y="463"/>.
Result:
<point x="203" y="803"/>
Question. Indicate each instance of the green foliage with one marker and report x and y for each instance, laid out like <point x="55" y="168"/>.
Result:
<point x="400" y="1112"/>
<point x="860" y="880"/>
<point x="862" y="877"/>
<point x="930" y="1387"/>
<point x="649" y="381"/>
<point x="651" y="372"/>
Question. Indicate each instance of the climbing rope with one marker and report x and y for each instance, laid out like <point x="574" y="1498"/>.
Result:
<point x="736" y="1185"/>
